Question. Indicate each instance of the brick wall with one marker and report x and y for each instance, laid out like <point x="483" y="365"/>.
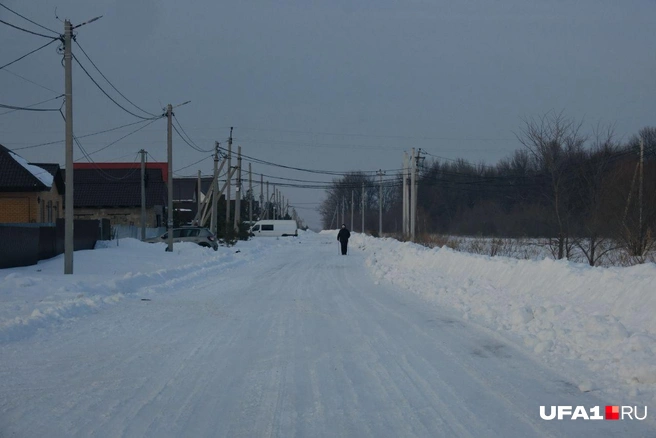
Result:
<point x="122" y="216"/>
<point x="30" y="207"/>
<point x="18" y="207"/>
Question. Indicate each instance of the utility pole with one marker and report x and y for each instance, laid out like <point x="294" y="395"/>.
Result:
<point x="405" y="195"/>
<point x="238" y="192"/>
<point x="68" y="84"/>
<point x="352" y="209"/>
<point x="250" y="196"/>
<point x="362" y="207"/>
<point x="169" y="151"/>
<point x="262" y="195"/>
<point x="275" y="201"/>
<point x="143" y="194"/>
<point x="640" y="189"/>
<point x="413" y="194"/>
<point x="215" y="190"/>
<point x="267" y="201"/>
<point x="343" y="207"/>
<point x="199" y="193"/>
<point x="227" y="218"/>
<point x="380" y="173"/>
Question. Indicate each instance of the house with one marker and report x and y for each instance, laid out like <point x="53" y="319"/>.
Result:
<point x="29" y="192"/>
<point x="113" y="191"/>
<point x="185" y="197"/>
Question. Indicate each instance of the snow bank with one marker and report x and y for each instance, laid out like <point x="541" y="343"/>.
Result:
<point x="561" y="311"/>
<point x="36" y="297"/>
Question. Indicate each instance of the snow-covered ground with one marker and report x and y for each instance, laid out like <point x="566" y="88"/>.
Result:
<point x="565" y="313"/>
<point x="284" y="337"/>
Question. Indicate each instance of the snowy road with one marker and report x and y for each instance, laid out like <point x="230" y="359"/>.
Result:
<point x="299" y="343"/>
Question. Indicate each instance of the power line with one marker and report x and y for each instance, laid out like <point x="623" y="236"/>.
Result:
<point x="24" y="108"/>
<point x="196" y="148"/>
<point x="192" y="164"/>
<point x="28" y="80"/>
<point x="112" y="85"/>
<point x="108" y="96"/>
<point x="29" y="31"/>
<point x="81" y="136"/>
<point x="25" y="18"/>
<point x="27" y="108"/>
<point x="27" y="54"/>
<point x="125" y="136"/>
<point x="324" y="172"/>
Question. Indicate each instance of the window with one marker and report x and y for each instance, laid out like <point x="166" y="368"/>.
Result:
<point x="177" y="233"/>
<point x="256" y="228"/>
<point x="267" y="227"/>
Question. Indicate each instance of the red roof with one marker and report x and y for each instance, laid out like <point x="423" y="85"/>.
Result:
<point x="152" y="165"/>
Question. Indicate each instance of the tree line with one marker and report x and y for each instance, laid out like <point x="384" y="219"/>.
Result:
<point x="590" y="192"/>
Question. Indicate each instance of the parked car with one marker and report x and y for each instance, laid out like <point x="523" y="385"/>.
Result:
<point x="198" y="235"/>
<point x="274" y="228"/>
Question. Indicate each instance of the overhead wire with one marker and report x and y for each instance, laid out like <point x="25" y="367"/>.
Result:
<point x="81" y="136"/>
<point x="26" y="108"/>
<point x="27" y="19"/>
<point x="196" y="148"/>
<point x="108" y="96"/>
<point x="110" y="83"/>
<point x="27" y="54"/>
<point x="125" y="136"/>
<point x="29" y="80"/>
<point x="190" y="142"/>
<point x="29" y="31"/>
<point x="33" y="105"/>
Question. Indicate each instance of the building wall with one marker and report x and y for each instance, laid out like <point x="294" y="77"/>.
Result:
<point x="29" y="207"/>
<point x="123" y="216"/>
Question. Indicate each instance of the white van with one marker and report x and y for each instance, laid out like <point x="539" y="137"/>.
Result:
<point x="271" y="228"/>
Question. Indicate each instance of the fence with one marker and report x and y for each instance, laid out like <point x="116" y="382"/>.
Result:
<point x="26" y="244"/>
<point x="134" y="232"/>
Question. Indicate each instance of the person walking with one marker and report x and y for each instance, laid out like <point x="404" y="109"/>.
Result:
<point x="343" y="237"/>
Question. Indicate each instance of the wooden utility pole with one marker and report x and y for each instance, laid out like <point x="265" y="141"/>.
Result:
<point x="267" y="202"/>
<point x="143" y="194"/>
<point x="227" y="217"/>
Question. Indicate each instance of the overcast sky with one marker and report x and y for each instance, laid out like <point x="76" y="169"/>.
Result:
<point x="335" y="85"/>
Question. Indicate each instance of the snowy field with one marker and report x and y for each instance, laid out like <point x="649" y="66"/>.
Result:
<point x="284" y="337"/>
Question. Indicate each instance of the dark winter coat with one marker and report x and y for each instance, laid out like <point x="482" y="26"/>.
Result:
<point x="343" y="235"/>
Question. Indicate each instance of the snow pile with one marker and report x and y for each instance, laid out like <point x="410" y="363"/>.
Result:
<point x="41" y="174"/>
<point x="35" y="297"/>
<point x="562" y="311"/>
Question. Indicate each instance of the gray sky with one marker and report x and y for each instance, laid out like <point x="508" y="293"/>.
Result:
<point x="334" y="85"/>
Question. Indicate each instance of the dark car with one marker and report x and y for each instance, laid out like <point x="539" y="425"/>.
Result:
<point x="198" y="235"/>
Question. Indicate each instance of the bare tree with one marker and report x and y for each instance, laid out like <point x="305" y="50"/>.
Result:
<point x="550" y="140"/>
<point x="594" y="182"/>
